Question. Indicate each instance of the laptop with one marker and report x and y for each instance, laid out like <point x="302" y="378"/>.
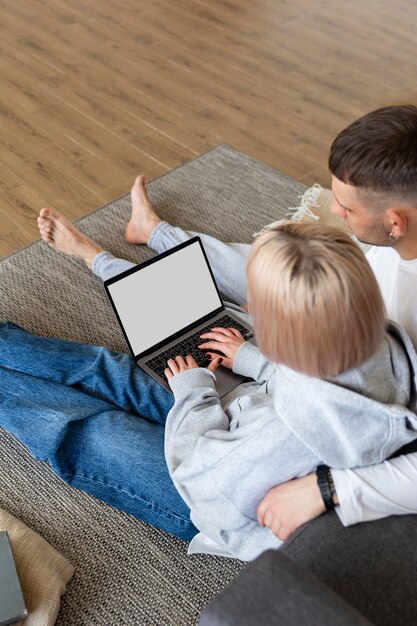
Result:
<point x="163" y="306"/>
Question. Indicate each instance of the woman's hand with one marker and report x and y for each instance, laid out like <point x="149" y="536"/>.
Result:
<point x="288" y="506"/>
<point x="179" y="364"/>
<point x="224" y="340"/>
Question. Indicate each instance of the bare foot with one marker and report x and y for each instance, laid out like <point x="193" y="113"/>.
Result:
<point x="61" y="235"/>
<point x="144" y="217"/>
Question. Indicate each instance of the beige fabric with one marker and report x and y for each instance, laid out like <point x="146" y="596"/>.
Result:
<point x="43" y="572"/>
<point x="320" y="207"/>
<point x="315" y="204"/>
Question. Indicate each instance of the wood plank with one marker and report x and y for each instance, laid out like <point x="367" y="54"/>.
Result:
<point x="93" y="92"/>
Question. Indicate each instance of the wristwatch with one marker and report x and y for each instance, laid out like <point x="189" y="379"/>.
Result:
<point x="326" y="486"/>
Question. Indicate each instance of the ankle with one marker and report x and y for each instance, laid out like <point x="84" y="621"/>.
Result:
<point x="153" y="224"/>
<point x="91" y="254"/>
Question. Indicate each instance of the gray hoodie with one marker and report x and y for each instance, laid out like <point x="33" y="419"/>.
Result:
<point x="224" y="455"/>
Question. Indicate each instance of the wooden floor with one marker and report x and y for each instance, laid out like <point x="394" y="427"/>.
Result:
<point x="93" y="92"/>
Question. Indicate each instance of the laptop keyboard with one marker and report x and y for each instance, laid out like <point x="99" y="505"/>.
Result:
<point x="190" y="344"/>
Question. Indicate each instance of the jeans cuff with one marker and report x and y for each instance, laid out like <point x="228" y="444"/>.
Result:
<point x="159" y="239"/>
<point x="99" y="259"/>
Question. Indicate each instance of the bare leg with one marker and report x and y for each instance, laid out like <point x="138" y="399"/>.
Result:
<point x="61" y="235"/>
<point x="144" y="217"/>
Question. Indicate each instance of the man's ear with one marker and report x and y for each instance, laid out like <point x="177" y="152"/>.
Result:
<point x="397" y="221"/>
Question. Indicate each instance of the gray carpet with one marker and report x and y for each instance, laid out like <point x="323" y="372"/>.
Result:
<point x="126" y="572"/>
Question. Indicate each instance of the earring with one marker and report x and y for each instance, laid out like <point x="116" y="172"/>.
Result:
<point x="392" y="238"/>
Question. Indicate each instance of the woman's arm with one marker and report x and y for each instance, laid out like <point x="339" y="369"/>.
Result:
<point x="363" y="494"/>
<point x="196" y="411"/>
<point x="197" y="408"/>
<point x="239" y="355"/>
<point x="198" y="447"/>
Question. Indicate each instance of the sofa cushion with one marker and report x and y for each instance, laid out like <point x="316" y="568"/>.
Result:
<point x="373" y="566"/>
<point x="275" y="590"/>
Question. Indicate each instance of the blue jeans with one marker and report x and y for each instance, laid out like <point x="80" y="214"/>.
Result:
<point x="96" y="418"/>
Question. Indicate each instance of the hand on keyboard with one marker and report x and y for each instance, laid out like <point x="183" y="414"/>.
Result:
<point x="227" y="341"/>
<point x="181" y="364"/>
<point x="189" y="346"/>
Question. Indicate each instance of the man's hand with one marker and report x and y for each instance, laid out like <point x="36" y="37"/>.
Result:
<point x="288" y="506"/>
<point x="179" y="364"/>
<point x="224" y="340"/>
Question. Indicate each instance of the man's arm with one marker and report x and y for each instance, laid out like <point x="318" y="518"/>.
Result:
<point x="363" y="494"/>
<point x="288" y="506"/>
<point x="370" y="493"/>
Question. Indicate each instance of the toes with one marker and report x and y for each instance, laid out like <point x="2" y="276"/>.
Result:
<point x="45" y="225"/>
<point x="46" y="229"/>
<point x="140" y="183"/>
<point x="45" y="213"/>
<point x="143" y="186"/>
<point x="52" y="216"/>
<point x="46" y="237"/>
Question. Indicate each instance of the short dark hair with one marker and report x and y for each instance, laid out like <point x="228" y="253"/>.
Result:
<point x="378" y="152"/>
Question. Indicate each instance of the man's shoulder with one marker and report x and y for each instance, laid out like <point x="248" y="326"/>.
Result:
<point x="382" y="251"/>
<point x="382" y="258"/>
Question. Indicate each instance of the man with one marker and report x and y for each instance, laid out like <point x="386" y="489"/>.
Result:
<point x="374" y="164"/>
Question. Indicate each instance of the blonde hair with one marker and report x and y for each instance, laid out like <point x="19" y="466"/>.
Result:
<point x="314" y="299"/>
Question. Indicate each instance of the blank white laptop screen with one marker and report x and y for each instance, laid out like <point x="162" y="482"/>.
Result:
<point x="164" y="297"/>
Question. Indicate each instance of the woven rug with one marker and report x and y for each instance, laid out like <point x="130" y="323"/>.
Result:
<point x="126" y="572"/>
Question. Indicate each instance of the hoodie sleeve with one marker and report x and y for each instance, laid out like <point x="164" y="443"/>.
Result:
<point x="344" y="429"/>
<point x="249" y="361"/>
<point x="197" y="409"/>
<point x="198" y="442"/>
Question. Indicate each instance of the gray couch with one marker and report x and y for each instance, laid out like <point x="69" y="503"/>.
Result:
<point x="328" y="575"/>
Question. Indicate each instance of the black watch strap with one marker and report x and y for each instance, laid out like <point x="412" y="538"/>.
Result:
<point x="322" y="473"/>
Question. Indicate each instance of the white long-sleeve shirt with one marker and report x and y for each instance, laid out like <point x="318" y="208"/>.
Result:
<point x="370" y="493"/>
<point x="397" y="280"/>
<point x="389" y="488"/>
